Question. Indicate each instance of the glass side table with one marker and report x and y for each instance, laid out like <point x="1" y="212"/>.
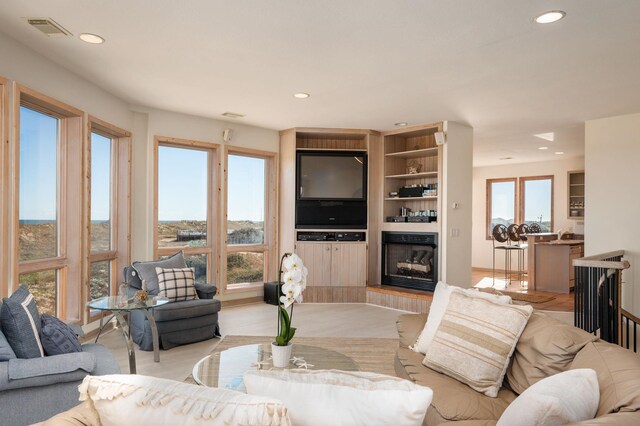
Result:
<point x="119" y="307"/>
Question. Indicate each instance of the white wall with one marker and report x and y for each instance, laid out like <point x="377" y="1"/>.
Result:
<point x="612" y="222"/>
<point x="483" y="248"/>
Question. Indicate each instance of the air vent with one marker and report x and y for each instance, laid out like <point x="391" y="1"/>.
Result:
<point x="232" y="115"/>
<point x="48" y="27"/>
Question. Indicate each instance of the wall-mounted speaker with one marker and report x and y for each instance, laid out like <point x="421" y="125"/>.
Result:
<point x="441" y="138"/>
<point x="227" y="135"/>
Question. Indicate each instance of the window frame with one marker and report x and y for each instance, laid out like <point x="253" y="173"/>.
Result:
<point x="489" y="205"/>
<point x="68" y="262"/>
<point x="270" y="246"/>
<point x="4" y="180"/>
<point x="119" y="254"/>
<point x="213" y="203"/>
<point x="521" y="195"/>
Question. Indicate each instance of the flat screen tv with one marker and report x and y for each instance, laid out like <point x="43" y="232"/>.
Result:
<point x="331" y="189"/>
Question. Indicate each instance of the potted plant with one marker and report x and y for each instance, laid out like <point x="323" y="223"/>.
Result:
<point x="292" y="280"/>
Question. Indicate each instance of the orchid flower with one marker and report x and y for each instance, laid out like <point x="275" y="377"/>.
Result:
<point x="293" y="281"/>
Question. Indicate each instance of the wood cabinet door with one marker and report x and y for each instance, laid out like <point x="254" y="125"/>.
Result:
<point x="349" y="265"/>
<point x="317" y="258"/>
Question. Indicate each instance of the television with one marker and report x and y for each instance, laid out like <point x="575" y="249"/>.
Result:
<point x="331" y="189"/>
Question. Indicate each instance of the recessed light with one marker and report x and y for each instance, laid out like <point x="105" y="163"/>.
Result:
<point x="232" y="114"/>
<point x="559" y="152"/>
<point x="550" y="17"/>
<point x="301" y="95"/>
<point x="506" y="158"/>
<point x="91" y="38"/>
<point x="542" y="148"/>
<point x="401" y="124"/>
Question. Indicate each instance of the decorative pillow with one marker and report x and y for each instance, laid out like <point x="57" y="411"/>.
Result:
<point x="21" y="323"/>
<point x="176" y="284"/>
<point x="57" y="337"/>
<point x="124" y="399"/>
<point x="147" y="270"/>
<point x="439" y="305"/>
<point x="332" y="397"/>
<point x="6" y="353"/>
<point x="547" y="347"/>
<point x="564" y="398"/>
<point x="475" y="340"/>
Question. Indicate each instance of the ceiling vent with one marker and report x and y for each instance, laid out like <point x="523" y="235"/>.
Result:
<point x="48" y="27"/>
<point x="232" y="115"/>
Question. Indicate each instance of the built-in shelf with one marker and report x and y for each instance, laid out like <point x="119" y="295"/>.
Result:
<point x="412" y="175"/>
<point x="575" y="191"/>
<point x="332" y="149"/>
<point x="431" y="197"/>
<point x="576" y="184"/>
<point x="576" y="196"/>
<point x="416" y="153"/>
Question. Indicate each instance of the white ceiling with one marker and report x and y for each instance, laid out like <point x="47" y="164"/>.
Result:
<point x="366" y="63"/>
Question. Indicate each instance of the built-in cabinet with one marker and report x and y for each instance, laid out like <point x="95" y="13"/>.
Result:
<point x="575" y="195"/>
<point x="336" y="264"/>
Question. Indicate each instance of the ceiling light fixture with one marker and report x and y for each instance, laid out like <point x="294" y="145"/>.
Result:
<point x="542" y="148"/>
<point x="506" y="158"/>
<point x="401" y="124"/>
<point x="91" y="38"/>
<point x="232" y="115"/>
<point x="301" y="95"/>
<point x="559" y="152"/>
<point x="546" y="136"/>
<point x="550" y="17"/>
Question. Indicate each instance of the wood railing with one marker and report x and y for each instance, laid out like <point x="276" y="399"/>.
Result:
<point x="598" y="299"/>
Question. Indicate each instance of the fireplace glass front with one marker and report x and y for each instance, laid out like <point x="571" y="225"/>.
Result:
<point x="410" y="260"/>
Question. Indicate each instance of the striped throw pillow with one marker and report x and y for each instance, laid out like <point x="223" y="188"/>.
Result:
<point x="475" y="341"/>
<point x="21" y="324"/>
<point x="176" y="284"/>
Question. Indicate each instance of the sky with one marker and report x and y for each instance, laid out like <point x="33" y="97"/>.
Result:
<point x="537" y="200"/>
<point x="182" y="177"/>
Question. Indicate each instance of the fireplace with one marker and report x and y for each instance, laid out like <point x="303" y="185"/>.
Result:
<point x="410" y="260"/>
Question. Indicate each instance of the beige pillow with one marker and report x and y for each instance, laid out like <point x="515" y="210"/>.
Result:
<point x="547" y="347"/>
<point x="332" y="397"/>
<point x="124" y="399"/>
<point x="439" y="305"/>
<point x="475" y="340"/>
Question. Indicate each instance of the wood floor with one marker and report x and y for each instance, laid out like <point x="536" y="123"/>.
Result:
<point x="561" y="303"/>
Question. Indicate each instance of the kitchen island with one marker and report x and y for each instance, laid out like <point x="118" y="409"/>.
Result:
<point x="550" y="261"/>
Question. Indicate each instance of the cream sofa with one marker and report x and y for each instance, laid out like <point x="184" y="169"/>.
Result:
<point x="546" y="347"/>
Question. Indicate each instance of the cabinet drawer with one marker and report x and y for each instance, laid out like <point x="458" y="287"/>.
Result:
<point x="576" y="250"/>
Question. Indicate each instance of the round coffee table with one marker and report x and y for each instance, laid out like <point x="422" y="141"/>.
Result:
<point x="224" y="369"/>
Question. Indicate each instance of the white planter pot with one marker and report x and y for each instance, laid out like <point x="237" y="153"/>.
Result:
<point x="281" y="355"/>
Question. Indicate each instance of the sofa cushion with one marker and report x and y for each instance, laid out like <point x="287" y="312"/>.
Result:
<point x="547" y="347"/>
<point x="134" y="399"/>
<point x="21" y="323"/>
<point x="568" y="397"/>
<point x="335" y="397"/>
<point x="439" y="304"/>
<point x="6" y="353"/>
<point x="452" y="400"/>
<point x="57" y="337"/>
<point x="147" y="270"/>
<point x="409" y="328"/>
<point x="186" y="309"/>
<point x="475" y="340"/>
<point x="176" y="284"/>
<point x="618" y="372"/>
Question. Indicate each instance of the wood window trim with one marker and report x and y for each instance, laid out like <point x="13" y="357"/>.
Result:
<point x="119" y="254"/>
<point x="213" y="203"/>
<point x="270" y="247"/>
<point x="69" y="200"/>
<point x="4" y="186"/>
<point x="521" y="195"/>
<point x="488" y="211"/>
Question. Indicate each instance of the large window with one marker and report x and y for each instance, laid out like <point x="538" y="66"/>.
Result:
<point x="250" y="212"/>
<point x="108" y="153"/>
<point x="4" y="179"/>
<point x="536" y="201"/>
<point x="185" y="205"/>
<point x="533" y="196"/>
<point x="48" y="190"/>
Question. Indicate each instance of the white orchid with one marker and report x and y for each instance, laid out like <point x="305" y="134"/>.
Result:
<point x="293" y="281"/>
<point x="292" y="262"/>
<point x="292" y="293"/>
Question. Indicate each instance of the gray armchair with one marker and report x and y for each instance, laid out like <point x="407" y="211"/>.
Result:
<point x="32" y="390"/>
<point x="178" y="323"/>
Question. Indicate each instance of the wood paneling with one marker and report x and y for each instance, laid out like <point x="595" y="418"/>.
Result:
<point x="335" y="295"/>
<point x="349" y="264"/>
<point x="404" y="301"/>
<point x="317" y="259"/>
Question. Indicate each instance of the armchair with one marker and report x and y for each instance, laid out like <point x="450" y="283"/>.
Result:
<point x="178" y="323"/>
<point x="32" y="390"/>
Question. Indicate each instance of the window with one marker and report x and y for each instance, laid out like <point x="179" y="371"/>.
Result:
<point x="185" y="205"/>
<point x="250" y="215"/>
<point x="48" y="189"/>
<point x="109" y="183"/>
<point x="501" y="203"/>
<point x="533" y="196"/>
<point x="536" y="201"/>
<point x="4" y="182"/>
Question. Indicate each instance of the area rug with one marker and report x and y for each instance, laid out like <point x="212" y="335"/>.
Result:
<point x="522" y="297"/>
<point x="371" y="354"/>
